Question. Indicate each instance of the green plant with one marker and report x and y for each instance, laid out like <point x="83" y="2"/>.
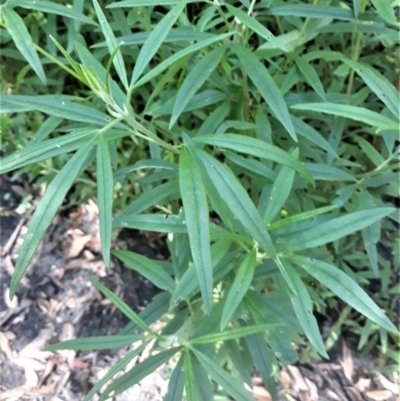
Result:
<point x="270" y="161"/>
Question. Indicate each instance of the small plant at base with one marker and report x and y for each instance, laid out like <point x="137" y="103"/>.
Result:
<point x="295" y="177"/>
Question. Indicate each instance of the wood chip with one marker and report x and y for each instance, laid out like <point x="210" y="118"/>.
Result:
<point x="333" y="395"/>
<point x="388" y="384"/>
<point x="77" y="245"/>
<point x="347" y="363"/>
<point x="298" y="380"/>
<point x="363" y="384"/>
<point x="379" y="395"/>
<point x="313" y="389"/>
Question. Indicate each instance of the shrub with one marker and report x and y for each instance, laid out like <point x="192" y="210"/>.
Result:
<point x="268" y="156"/>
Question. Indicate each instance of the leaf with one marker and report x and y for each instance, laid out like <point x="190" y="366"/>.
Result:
<point x="232" y="334"/>
<point x="120" y="304"/>
<point x="44" y="150"/>
<point x="310" y="214"/>
<point x="54" y="8"/>
<point x="378" y="84"/>
<point x="343" y="110"/>
<point x="385" y="10"/>
<point x="189" y="377"/>
<point x="114" y="370"/>
<point x="255" y="26"/>
<point x="237" y="199"/>
<point x="145" y="3"/>
<point x="266" y="86"/>
<point x="147" y="268"/>
<point x="195" y="204"/>
<point x="239" y="287"/>
<point x="232" y="387"/>
<point x="202" y="386"/>
<point x="325" y="172"/>
<point x="281" y="344"/>
<point x="159" y="68"/>
<point x="155" y="40"/>
<point x="310" y="75"/>
<point x="46" y="210"/>
<point x="345" y="288"/>
<point x="194" y="80"/>
<point x="334" y="229"/>
<point x="95" y="343"/>
<point x="61" y="108"/>
<point x="105" y="192"/>
<point x="255" y="147"/>
<point x="176" y="383"/>
<point x="23" y="41"/>
<point x="152" y="222"/>
<point x="112" y="44"/>
<point x="280" y="192"/>
<point x="137" y="373"/>
<point x="303" y="308"/>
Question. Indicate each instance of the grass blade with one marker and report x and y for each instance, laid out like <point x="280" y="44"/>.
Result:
<point x="46" y="210"/>
<point x="255" y="26"/>
<point x="345" y="288"/>
<point x="112" y="44"/>
<point x="95" y="343"/>
<point x="155" y="40"/>
<point x="255" y="147"/>
<point x="352" y="112"/>
<point x="23" y="41"/>
<point x="237" y="199"/>
<point x="194" y="80"/>
<point x="239" y="288"/>
<point x="303" y="308"/>
<point x="105" y="190"/>
<point x="147" y="268"/>
<point x="197" y="220"/>
<point x="334" y="229"/>
<point x="232" y="387"/>
<point x="137" y="373"/>
<point x="263" y="81"/>
<point x="120" y="304"/>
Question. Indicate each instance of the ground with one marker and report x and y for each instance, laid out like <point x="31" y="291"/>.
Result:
<point x="55" y="301"/>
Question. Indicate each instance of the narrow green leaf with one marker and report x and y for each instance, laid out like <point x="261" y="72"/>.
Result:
<point x="61" y="108"/>
<point x="237" y="199"/>
<point x="96" y="343"/>
<point x="155" y="40"/>
<point x="280" y="192"/>
<point x="189" y="377"/>
<point x="255" y="147"/>
<point x="378" y="84"/>
<point x="343" y="110"/>
<point x="345" y="288"/>
<point x="303" y="308"/>
<point x="233" y="388"/>
<point x="267" y="87"/>
<point x="255" y="26"/>
<point x="137" y="373"/>
<point x="202" y="385"/>
<point x="146" y="3"/>
<point x="112" y="44"/>
<point x="23" y="41"/>
<point x="147" y="268"/>
<point x="263" y="359"/>
<point x="152" y="222"/>
<point x="114" y="370"/>
<point x="105" y="191"/>
<point x="385" y="10"/>
<point x="54" y="8"/>
<point x="45" y="130"/>
<point x="45" y="150"/>
<point x="310" y="214"/>
<point x="194" y="80"/>
<point x="370" y="151"/>
<point x="334" y="229"/>
<point x="281" y="344"/>
<point x="195" y="204"/>
<point x="233" y="334"/>
<point x="239" y="287"/>
<point x="120" y="304"/>
<point x="325" y="172"/>
<point x="286" y="273"/>
<point x="310" y="75"/>
<point x="159" y="68"/>
<point x="176" y="383"/>
<point x="46" y="210"/>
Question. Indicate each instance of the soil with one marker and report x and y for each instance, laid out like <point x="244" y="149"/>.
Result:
<point x="55" y="301"/>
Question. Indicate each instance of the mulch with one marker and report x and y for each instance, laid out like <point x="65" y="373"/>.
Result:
<point x="55" y="301"/>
